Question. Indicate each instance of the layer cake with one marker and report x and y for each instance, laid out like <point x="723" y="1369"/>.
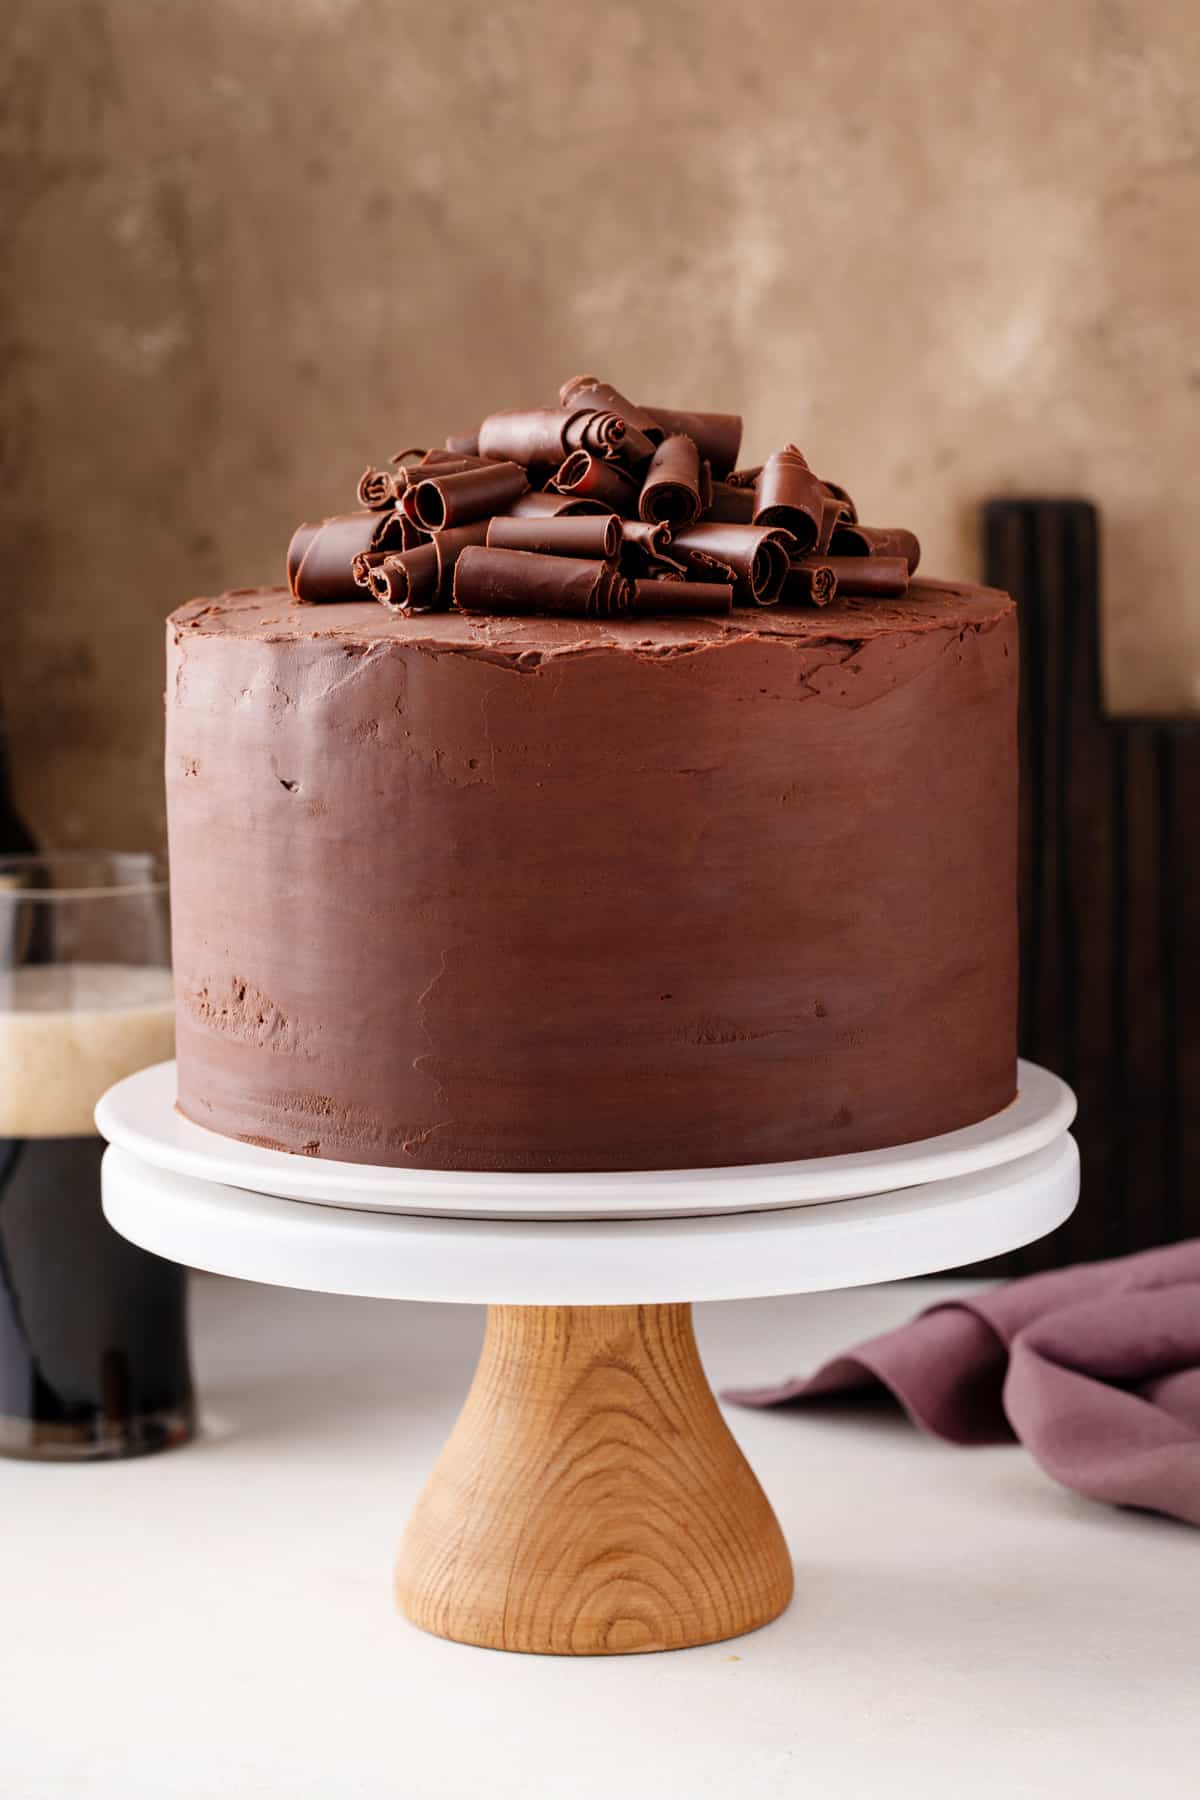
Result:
<point x="493" y="891"/>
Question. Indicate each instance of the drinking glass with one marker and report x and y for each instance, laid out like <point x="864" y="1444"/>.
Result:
<point x="93" y="1331"/>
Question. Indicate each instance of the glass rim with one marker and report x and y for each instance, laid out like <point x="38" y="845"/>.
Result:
<point x="147" y="874"/>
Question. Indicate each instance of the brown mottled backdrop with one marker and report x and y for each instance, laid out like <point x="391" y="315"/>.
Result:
<point x="251" y="243"/>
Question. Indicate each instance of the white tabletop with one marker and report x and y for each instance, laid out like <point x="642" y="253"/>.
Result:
<point x="218" y="1621"/>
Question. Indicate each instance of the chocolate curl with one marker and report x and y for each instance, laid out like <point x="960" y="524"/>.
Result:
<point x="789" y="495"/>
<point x="747" y="478"/>
<point x="731" y="505"/>
<point x="671" y="492"/>
<point x="644" y="549"/>
<point x="594" y="536"/>
<point x="883" y="577"/>
<point x="302" y="537"/>
<point x="670" y="596"/>
<point x="404" y="458"/>
<point x="321" y="557"/>
<point x="463" y="443"/>
<point x="543" y="437"/>
<point x="641" y="431"/>
<point x="438" y="463"/>
<point x="553" y="506"/>
<point x="603" y="433"/>
<point x="364" y="562"/>
<point x="810" y="579"/>
<point x="408" y="583"/>
<point x="833" y="514"/>
<point x="589" y="477"/>
<point x="756" y="556"/>
<point x="839" y="493"/>
<point x="443" y="500"/>
<point x="520" y="581"/>
<point x="413" y="474"/>
<point x="376" y="489"/>
<point x="529" y="438"/>
<point x="409" y="533"/>
<point x="449" y="546"/>
<point x="462" y="459"/>
<point x="717" y="436"/>
<point x="876" y="540"/>
<point x="406" y="506"/>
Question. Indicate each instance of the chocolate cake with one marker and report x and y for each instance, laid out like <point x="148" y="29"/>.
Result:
<point x="629" y="847"/>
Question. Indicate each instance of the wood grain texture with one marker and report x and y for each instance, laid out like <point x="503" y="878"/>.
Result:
<point x="591" y="1499"/>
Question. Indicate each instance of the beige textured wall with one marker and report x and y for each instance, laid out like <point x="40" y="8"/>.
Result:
<point x="950" y="249"/>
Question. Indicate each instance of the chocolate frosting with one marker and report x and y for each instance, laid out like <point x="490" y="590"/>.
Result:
<point x="458" y="892"/>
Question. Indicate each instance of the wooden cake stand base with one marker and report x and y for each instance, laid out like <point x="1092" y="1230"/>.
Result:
<point x="591" y="1499"/>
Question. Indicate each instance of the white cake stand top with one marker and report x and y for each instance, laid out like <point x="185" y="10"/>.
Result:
<point x="139" y="1115"/>
<point x="606" y="1262"/>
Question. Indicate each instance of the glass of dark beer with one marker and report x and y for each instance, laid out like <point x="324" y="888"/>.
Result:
<point x="93" y="1331"/>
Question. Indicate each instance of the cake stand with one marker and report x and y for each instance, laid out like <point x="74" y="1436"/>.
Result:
<point x="591" y="1498"/>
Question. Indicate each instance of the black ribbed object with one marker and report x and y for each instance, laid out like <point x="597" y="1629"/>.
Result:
<point x="15" y="837"/>
<point x="1109" y="898"/>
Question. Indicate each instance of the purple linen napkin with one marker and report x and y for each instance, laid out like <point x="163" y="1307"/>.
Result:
<point x="1095" y="1369"/>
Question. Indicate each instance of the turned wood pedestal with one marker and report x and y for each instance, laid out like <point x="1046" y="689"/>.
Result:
<point x="591" y="1499"/>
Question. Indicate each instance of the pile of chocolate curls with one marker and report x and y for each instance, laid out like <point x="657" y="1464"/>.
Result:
<point x="598" y="508"/>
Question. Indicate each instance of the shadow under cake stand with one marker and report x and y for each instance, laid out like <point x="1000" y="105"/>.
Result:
<point x="591" y="1498"/>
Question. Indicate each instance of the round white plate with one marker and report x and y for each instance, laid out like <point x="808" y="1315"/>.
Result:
<point x="139" y="1115"/>
<point x="600" y="1262"/>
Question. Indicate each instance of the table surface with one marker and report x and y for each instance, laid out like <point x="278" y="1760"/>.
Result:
<point x="218" y="1620"/>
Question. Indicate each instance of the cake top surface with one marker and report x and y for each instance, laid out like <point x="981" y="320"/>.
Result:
<point x="269" y="615"/>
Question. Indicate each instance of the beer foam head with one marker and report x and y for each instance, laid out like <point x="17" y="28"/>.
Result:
<point x="68" y="1031"/>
